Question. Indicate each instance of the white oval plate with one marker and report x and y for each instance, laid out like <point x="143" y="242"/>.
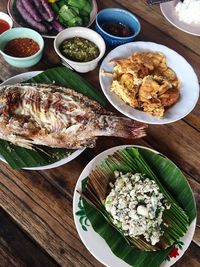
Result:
<point x="187" y="100"/>
<point x="169" y="12"/>
<point x="46" y="35"/>
<point x="96" y="245"/>
<point x="23" y="77"/>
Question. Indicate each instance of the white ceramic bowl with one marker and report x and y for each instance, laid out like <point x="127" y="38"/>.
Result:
<point x="84" y="33"/>
<point x="7" y="18"/>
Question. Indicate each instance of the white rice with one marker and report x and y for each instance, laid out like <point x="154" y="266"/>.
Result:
<point x="189" y="11"/>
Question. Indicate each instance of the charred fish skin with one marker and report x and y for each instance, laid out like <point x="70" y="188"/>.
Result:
<point x="51" y="115"/>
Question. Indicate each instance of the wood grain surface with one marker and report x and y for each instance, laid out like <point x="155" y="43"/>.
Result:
<point x="36" y="220"/>
<point x="16" y="249"/>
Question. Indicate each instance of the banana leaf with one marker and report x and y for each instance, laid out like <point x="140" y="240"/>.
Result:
<point x="169" y="177"/>
<point x="19" y="157"/>
<point x="65" y="77"/>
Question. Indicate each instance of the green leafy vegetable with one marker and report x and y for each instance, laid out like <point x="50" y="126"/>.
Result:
<point x="66" y="15"/>
<point x="61" y="3"/>
<point x="55" y="7"/>
<point x="76" y="21"/>
<point x="80" y="4"/>
<point x="72" y="12"/>
<point x="87" y="7"/>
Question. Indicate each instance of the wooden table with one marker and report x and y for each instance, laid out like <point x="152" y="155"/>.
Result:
<point x="36" y="222"/>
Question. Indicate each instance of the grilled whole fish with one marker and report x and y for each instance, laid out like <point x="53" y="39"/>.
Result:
<point x="41" y="114"/>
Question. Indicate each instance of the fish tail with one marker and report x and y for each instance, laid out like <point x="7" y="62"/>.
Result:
<point x="122" y="127"/>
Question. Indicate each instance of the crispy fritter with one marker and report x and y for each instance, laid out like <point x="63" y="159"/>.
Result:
<point x="148" y="59"/>
<point x="144" y="81"/>
<point x="170" y="97"/>
<point x="153" y="107"/>
<point x="126" y="89"/>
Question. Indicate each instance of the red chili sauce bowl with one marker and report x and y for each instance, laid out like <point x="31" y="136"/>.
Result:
<point x="6" y="22"/>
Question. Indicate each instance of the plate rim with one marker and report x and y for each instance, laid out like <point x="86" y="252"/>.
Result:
<point x="162" y="5"/>
<point x="76" y="198"/>
<point x="92" y="19"/>
<point x="52" y="165"/>
<point x="116" y="104"/>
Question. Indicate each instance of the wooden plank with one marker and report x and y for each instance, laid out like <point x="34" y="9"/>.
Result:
<point x="44" y="214"/>
<point x="195" y="186"/>
<point x="197" y="236"/>
<point x="7" y="259"/>
<point x="16" y="249"/>
<point x="191" y="257"/>
<point x="193" y="118"/>
<point x="180" y="143"/>
<point x="41" y="202"/>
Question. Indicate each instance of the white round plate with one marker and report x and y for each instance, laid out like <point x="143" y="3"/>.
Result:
<point x="175" y="61"/>
<point x="18" y="20"/>
<point x="169" y="12"/>
<point x="23" y="77"/>
<point x="96" y="245"/>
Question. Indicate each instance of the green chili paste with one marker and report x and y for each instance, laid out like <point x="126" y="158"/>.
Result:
<point x="79" y="49"/>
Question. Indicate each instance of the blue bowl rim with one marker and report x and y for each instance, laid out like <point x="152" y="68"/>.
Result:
<point x="23" y="58"/>
<point x="121" y="10"/>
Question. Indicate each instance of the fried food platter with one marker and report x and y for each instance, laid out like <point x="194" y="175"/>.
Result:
<point x="174" y="61"/>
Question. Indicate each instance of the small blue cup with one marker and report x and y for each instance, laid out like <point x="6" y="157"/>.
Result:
<point x="117" y="15"/>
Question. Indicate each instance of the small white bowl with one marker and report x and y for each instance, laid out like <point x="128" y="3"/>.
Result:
<point x="84" y="33"/>
<point x="7" y="18"/>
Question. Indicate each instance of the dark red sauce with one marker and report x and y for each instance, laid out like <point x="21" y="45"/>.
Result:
<point x="21" y="47"/>
<point x="117" y="29"/>
<point x="4" y="26"/>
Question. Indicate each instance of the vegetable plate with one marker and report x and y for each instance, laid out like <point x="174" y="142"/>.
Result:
<point x="52" y="16"/>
